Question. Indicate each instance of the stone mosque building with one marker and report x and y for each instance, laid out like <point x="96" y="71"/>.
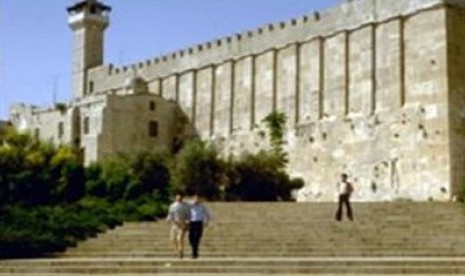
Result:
<point x="373" y="88"/>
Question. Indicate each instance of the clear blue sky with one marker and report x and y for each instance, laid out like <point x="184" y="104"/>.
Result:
<point x="35" y="41"/>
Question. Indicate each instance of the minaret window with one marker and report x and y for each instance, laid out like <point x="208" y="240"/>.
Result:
<point x="93" y="9"/>
<point x="152" y="106"/>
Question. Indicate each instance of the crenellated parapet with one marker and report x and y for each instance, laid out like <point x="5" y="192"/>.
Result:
<point x="351" y="15"/>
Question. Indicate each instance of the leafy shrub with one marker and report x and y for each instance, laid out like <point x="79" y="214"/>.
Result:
<point x="31" y="232"/>
<point x="259" y="178"/>
<point x="198" y="169"/>
<point x="244" y="184"/>
<point x="102" y="210"/>
<point x="118" y="175"/>
<point x="152" y="174"/>
<point x="276" y="122"/>
<point x="95" y="185"/>
<point x="34" y="173"/>
<point x="70" y="176"/>
<point x="128" y="177"/>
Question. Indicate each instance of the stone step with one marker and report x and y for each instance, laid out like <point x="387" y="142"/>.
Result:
<point x="296" y="224"/>
<point x="270" y="243"/>
<point x="265" y="269"/>
<point x="223" y="274"/>
<point x="354" y="261"/>
<point x="315" y="253"/>
<point x="118" y="265"/>
<point x="278" y="242"/>
<point x="248" y="270"/>
<point x="310" y="236"/>
<point x="236" y="228"/>
<point x="247" y="246"/>
<point x="348" y="231"/>
<point x="456" y="250"/>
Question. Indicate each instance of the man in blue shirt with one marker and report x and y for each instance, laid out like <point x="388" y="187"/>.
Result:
<point x="199" y="217"/>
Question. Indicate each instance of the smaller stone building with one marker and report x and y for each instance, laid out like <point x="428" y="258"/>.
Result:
<point x="119" y="121"/>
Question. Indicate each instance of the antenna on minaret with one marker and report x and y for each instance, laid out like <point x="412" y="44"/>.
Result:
<point x="121" y="57"/>
<point x="134" y="72"/>
<point x="54" y="88"/>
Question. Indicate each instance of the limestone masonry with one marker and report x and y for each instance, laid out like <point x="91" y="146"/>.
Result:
<point x="373" y="88"/>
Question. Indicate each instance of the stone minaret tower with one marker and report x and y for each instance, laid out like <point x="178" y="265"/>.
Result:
<point x="88" y="19"/>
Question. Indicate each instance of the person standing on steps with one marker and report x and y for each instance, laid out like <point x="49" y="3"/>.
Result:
<point x="345" y="189"/>
<point x="200" y="217"/>
<point x="178" y="217"/>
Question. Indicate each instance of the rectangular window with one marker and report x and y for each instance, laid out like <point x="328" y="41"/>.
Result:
<point x="60" y="130"/>
<point x="91" y="87"/>
<point x="86" y="125"/>
<point x="153" y="129"/>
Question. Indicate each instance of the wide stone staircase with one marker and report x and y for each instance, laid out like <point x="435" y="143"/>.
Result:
<point x="279" y="239"/>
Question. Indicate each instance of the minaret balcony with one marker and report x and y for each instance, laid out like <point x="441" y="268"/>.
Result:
<point x="78" y="20"/>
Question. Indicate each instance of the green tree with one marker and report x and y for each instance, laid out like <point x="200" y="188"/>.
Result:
<point x="36" y="173"/>
<point x="151" y="170"/>
<point x="25" y="175"/>
<point x="95" y="185"/>
<point x="118" y="175"/>
<point x="198" y="168"/>
<point x="276" y="123"/>
<point x="70" y="186"/>
<point x="256" y="177"/>
<point x="260" y="177"/>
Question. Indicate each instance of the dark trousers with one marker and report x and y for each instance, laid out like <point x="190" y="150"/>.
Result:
<point x="195" y="235"/>
<point x="344" y="200"/>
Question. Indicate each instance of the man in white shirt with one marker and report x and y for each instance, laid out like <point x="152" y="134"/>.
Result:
<point x="344" y="189"/>
<point x="178" y="217"/>
<point x="199" y="217"/>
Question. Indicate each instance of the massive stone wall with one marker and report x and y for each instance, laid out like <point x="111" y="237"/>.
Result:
<point x="364" y="86"/>
<point x="456" y="72"/>
<point x="389" y="125"/>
